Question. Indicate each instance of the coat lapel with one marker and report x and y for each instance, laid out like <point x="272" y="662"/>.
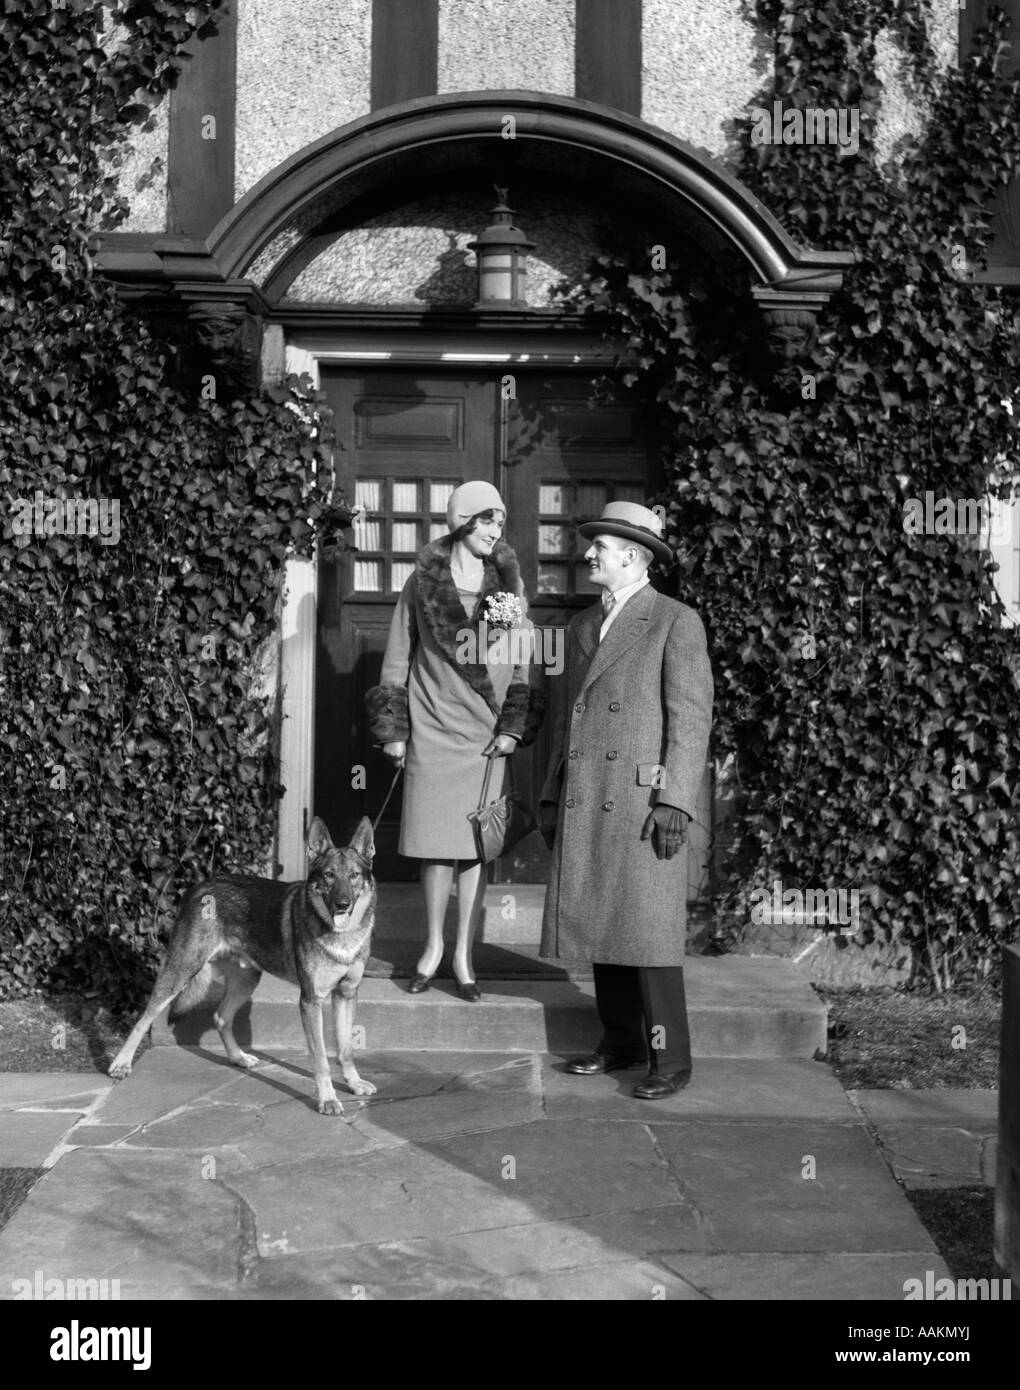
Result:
<point x="630" y="625"/>
<point x="444" y="612"/>
<point x="588" y="630"/>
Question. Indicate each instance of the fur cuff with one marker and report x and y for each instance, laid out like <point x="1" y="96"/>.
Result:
<point x="387" y="713"/>
<point x="522" y="713"/>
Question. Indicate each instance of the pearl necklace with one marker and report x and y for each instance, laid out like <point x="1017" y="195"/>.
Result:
<point x="464" y="579"/>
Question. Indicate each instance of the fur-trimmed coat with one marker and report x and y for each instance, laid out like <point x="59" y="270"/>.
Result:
<point x="445" y="696"/>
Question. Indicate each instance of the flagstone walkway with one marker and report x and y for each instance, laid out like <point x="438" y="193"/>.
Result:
<point x="475" y="1176"/>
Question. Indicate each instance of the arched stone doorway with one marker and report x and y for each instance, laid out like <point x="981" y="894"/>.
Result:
<point x="375" y="161"/>
<point x="416" y="374"/>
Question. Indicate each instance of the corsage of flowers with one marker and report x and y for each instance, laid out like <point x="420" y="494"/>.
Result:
<point x="502" y="610"/>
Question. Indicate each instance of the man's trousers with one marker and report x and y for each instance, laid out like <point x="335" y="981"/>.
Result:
<point x="643" y="1010"/>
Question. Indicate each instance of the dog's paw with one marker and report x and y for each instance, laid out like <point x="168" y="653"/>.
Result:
<point x="245" y="1060"/>
<point x="330" y="1107"/>
<point x="119" y="1070"/>
<point x="360" y="1087"/>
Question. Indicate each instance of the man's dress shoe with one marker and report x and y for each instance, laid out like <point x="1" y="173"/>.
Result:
<point x="658" y="1084"/>
<point x="599" y="1062"/>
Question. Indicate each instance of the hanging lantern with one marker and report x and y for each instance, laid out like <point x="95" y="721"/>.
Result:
<point x="502" y="260"/>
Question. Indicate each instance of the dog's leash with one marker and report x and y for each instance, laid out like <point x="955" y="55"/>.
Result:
<point x="382" y="808"/>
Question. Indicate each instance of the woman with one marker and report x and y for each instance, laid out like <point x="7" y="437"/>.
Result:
<point x="443" y="708"/>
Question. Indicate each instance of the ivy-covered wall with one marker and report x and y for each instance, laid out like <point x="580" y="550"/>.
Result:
<point x="866" y="699"/>
<point x="305" y="70"/>
<point x="146" y="511"/>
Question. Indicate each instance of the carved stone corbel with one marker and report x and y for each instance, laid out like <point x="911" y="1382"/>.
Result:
<point x="229" y="340"/>
<point x="790" y="319"/>
<point x="790" y="333"/>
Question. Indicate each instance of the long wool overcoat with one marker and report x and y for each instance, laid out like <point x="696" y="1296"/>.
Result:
<point x="634" y="733"/>
<point x="445" y="696"/>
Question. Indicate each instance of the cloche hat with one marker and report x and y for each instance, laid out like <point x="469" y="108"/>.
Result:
<point x="469" y="499"/>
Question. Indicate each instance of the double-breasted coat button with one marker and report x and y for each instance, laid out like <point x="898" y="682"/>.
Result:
<point x="579" y="706"/>
<point x="615" y="705"/>
<point x="569" y="801"/>
<point x="607" y="805"/>
<point x="572" y="753"/>
<point x="612" y="755"/>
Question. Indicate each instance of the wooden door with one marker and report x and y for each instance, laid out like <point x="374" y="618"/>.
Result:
<point x="566" y="457"/>
<point x="405" y="440"/>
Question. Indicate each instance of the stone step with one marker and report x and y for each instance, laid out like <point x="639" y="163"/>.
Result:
<point x="398" y="959"/>
<point x="739" y="1006"/>
<point x="511" y="913"/>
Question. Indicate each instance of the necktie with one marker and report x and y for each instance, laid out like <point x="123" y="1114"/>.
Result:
<point x="608" y="604"/>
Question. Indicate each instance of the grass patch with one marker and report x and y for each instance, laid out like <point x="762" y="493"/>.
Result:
<point x="60" y="1034"/>
<point x="899" y="1040"/>
<point x="960" y="1220"/>
<point x="15" y="1185"/>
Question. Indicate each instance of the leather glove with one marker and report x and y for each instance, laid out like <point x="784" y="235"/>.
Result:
<point x="667" y="826"/>
<point x="547" y="818"/>
<point x="502" y="745"/>
<point x="395" y="752"/>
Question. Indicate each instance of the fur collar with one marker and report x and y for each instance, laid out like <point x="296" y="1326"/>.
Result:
<point x="444" y="611"/>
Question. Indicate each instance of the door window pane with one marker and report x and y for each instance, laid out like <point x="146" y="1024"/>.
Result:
<point x="591" y="498"/>
<point x="551" y="499"/>
<point x="553" y="540"/>
<point x="439" y="496"/>
<point x="553" y="579"/>
<point x="368" y="494"/>
<point x="437" y="529"/>
<point x="405" y="497"/>
<point x="368" y="534"/>
<point x="368" y="576"/>
<point x="405" y="535"/>
<point x="400" y="571"/>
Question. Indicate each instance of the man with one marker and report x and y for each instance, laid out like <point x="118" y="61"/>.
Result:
<point x="628" y="756"/>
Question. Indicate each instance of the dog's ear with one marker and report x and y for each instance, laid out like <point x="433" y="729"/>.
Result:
<point x="363" y="841"/>
<point x="319" y="838"/>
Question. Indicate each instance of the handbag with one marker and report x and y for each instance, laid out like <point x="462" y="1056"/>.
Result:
<point x="500" y="824"/>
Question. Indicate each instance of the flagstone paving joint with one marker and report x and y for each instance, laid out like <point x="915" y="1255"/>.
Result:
<point x="404" y="1196"/>
<point x="684" y="1198"/>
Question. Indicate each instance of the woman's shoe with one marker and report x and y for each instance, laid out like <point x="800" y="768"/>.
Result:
<point x="469" y="991"/>
<point x="420" y="983"/>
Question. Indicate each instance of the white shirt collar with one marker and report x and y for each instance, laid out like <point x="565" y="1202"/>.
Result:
<point x="628" y="591"/>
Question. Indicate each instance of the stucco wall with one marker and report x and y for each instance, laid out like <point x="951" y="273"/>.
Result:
<point x="702" y="64"/>
<point x="148" y="204"/>
<point x="305" y="69"/>
<point x="419" y="255"/>
<point x="705" y="63"/>
<point x="302" y="69"/>
<point x="489" y="44"/>
<point x="134" y="161"/>
<point x="902" y="115"/>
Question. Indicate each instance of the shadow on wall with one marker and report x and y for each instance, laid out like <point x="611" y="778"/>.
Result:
<point x="418" y="254"/>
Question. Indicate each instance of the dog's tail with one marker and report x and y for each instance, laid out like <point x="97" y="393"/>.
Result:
<point x="195" y="992"/>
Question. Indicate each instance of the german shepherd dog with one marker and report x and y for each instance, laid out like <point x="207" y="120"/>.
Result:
<point x="315" y="934"/>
